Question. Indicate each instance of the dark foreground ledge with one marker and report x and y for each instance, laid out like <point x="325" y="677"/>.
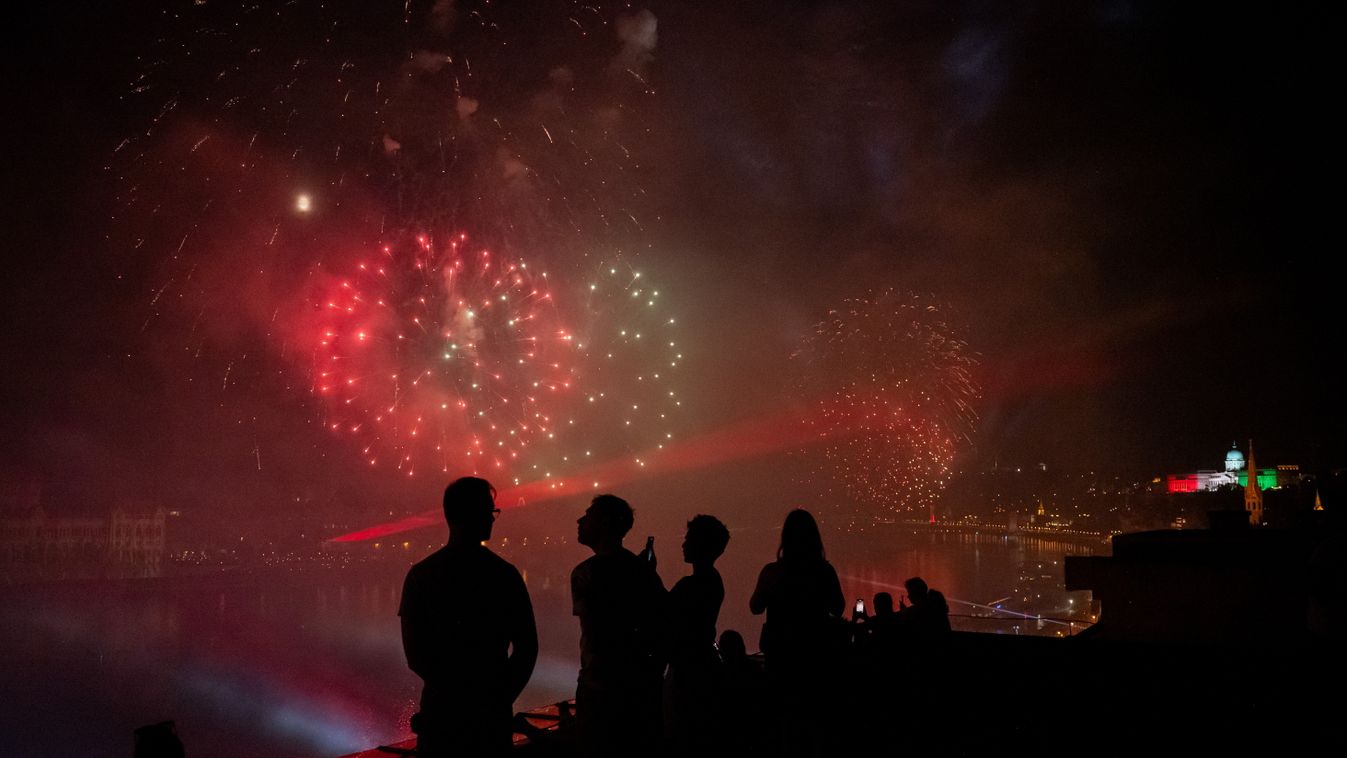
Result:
<point x="980" y="694"/>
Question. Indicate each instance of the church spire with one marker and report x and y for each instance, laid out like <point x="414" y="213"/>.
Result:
<point x="1253" y="498"/>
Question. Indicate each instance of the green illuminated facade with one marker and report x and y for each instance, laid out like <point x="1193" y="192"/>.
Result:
<point x="1267" y="478"/>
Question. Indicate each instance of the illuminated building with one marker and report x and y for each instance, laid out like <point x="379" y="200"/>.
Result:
<point x="122" y="543"/>
<point x="1236" y="472"/>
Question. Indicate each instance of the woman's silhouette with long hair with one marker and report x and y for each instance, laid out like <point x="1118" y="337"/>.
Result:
<point x="803" y="601"/>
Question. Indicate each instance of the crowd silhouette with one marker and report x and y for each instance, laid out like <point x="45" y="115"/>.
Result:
<point x="653" y="679"/>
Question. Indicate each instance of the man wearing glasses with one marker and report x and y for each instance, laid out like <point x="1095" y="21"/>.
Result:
<point x="468" y="632"/>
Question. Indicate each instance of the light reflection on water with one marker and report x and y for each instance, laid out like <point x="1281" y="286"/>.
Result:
<point x="309" y="662"/>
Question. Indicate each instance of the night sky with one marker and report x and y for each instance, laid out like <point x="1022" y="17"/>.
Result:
<point x="1124" y="206"/>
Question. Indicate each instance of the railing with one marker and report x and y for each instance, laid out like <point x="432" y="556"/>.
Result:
<point x="1068" y="626"/>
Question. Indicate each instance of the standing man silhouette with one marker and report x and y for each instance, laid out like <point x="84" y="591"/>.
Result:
<point x="619" y="598"/>
<point x="468" y="632"/>
<point x="694" y="606"/>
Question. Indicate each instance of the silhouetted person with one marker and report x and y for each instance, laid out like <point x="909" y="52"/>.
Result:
<point x="693" y="606"/>
<point x="882" y="612"/>
<point x="158" y="741"/>
<point x="883" y="605"/>
<point x="926" y="619"/>
<point x="804" y="630"/>
<point x="619" y="598"/>
<point x="876" y="638"/>
<point x="468" y="632"/>
<point x="740" y="700"/>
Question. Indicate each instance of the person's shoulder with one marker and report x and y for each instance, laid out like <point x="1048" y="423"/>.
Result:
<point x="585" y="567"/>
<point x="421" y="578"/>
<point x="430" y="562"/>
<point x="498" y="565"/>
<point x="622" y="561"/>
<point x="475" y="559"/>
<point x="707" y="583"/>
<point x="490" y="557"/>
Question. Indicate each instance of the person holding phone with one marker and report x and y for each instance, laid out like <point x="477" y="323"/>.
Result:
<point x="619" y="599"/>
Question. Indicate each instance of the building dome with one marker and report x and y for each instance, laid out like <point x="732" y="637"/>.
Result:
<point x="1234" y="460"/>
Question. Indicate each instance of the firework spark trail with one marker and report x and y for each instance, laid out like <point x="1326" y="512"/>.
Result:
<point x="481" y="337"/>
<point x="288" y="147"/>
<point x="497" y="369"/>
<point x="893" y="388"/>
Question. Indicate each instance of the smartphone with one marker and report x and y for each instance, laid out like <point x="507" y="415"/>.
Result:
<point x="860" y="607"/>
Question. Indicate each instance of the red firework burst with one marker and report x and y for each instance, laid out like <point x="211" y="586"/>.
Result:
<point x="441" y="355"/>
<point x="892" y="388"/>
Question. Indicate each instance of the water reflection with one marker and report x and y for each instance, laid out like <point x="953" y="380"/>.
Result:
<point x="309" y="662"/>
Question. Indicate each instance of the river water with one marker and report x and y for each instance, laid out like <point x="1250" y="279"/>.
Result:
<point x="308" y="661"/>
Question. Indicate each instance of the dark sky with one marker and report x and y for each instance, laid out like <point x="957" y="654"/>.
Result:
<point x="1128" y="204"/>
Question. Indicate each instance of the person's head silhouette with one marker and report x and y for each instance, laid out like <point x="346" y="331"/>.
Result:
<point x="800" y="538"/>
<point x="917" y="590"/>
<point x="705" y="541"/>
<point x="883" y="604"/>
<point x="605" y="523"/>
<point x="732" y="649"/>
<point x="470" y="510"/>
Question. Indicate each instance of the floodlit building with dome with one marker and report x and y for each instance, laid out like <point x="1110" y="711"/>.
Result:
<point x="1235" y="472"/>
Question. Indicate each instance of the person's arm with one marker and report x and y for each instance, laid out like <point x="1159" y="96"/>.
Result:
<point x="758" y="603"/>
<point x="579" y="591"/>
<point x="523" y="639"/>
<point x="415" y="648"/>
<point x="414" y="645"/>
<point x="659" y="620"/>
<point x="837" y="603"/>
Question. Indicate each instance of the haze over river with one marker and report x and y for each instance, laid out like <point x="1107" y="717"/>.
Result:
<point x="308" y="661"/>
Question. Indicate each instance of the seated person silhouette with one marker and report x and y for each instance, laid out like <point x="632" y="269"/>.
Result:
<point x="883" y="605"/>
<point x="741" y="700"/>
<point x="619" y="599"/>
<point x="877" y="629"/>
<point x="926" y="619"/>
<point x="158" y="741"/>
<point x="468" y="632"/>
<point x="694" y="605"/>
<point x="882" y="620"/>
